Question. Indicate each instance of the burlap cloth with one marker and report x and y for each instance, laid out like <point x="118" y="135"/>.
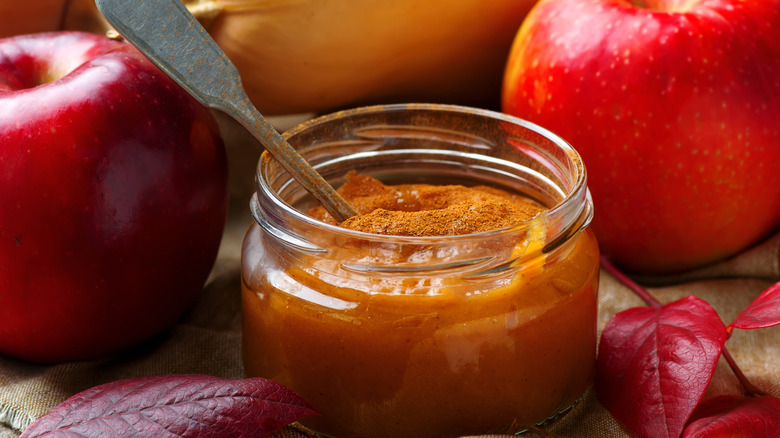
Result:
<point x="207" y="340"/>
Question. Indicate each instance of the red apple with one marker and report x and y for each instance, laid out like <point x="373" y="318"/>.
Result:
<point x="675" y="108"/>
<point x="112" y="194"/>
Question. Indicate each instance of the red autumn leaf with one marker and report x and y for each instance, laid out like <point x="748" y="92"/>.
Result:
<point x="730" y="416"/>
<point x="173" y="406"/>
<point x="655" y="363"/>
<point x="764" y="311"/>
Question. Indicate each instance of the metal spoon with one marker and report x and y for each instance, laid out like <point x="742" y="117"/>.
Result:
<point x="166" y="32"/>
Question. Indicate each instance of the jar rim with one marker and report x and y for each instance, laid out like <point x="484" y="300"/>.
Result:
<point x="577" y="194"/>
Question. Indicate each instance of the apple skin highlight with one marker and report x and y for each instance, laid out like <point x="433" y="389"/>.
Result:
<point x="113" y="194"/>
<point x="674" y="110"/>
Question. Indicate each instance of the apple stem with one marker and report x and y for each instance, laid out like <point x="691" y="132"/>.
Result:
<point x="750" y="389"/>
<point x="623" y="278"/>
<point x="63" y="15"/>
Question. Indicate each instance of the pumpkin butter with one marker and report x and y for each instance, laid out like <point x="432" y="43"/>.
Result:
<point x="428" y="210"/>
<point x="467" y="330"/>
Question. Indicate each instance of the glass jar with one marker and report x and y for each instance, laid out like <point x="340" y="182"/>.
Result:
<point x="390" y="336"/>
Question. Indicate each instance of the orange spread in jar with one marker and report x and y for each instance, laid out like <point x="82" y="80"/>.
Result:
<point x="421" y="356"/>
<point x="428" y="210"/>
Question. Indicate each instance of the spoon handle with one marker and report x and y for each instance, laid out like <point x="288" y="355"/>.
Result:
<point x="166" y="33"/>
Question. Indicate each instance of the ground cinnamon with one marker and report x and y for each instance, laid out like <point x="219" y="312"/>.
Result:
<point x="428" y="210"/>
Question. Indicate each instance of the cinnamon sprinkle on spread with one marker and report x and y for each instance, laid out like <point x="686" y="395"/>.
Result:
<point x="428" y="210"/>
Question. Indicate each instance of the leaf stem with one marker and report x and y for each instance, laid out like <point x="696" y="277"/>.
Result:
<point x="623" y="278"/>
<point x="750" y="389"/>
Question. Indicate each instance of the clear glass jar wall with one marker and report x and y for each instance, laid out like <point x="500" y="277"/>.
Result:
<point x="391" y="336"/>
